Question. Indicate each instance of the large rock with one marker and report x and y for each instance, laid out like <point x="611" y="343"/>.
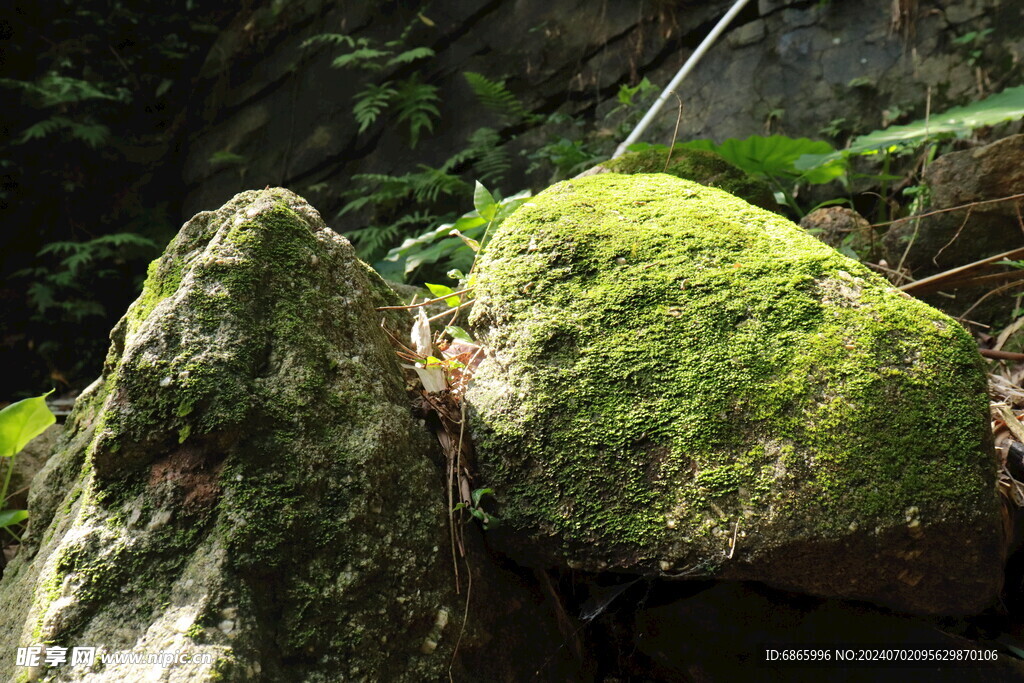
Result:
<point x="685" y="385"/>
<point x="945" y="240"/>
<point x="245" y="482"/>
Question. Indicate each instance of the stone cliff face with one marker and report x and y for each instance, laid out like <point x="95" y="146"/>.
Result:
<point x="794" y="67"/>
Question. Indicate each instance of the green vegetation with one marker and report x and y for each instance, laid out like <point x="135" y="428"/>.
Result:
<point x="93" y="94"/>
<point x="957" y="122"/>
<point x="413" y="103"/>
<point x="416" y="210"/>
<point x="19" y="423"/>
<point x="488" y="521"/>
<point x="452" y="245"/>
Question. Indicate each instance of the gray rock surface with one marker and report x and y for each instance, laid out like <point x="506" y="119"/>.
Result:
<point x="245" y="481"/>
<point x="946" y="240"/>
<point x="29" y="461"/>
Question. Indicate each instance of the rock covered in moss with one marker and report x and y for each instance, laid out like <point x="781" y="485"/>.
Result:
<point x="685" y="385"/>
<point x="700" y="166"/>
<point x="245" y="483"/>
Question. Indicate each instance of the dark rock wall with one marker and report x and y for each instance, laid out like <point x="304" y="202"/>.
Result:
<point x="793" y="67"/>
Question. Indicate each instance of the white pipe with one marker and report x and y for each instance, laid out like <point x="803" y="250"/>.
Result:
<point x="680" y="75"/>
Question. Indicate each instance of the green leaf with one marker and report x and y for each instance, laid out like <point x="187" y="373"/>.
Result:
<point x="496" y="97"/>
<point x="330" y="38"/>
<point x="774" y="156"/>
<point x="958" y="121"/>
<point x="442" y="290"/>
<point x="12" y="517"/>
<point x="458" y="333"/>
<point x="370" y="102"/>
<point x="432" y="254"/>
<point x="23" y="421"/>
<point x="483" y="202"/>
<point x="363" y="57"/>
<point x="830" y="202"/>
<point x="225" y="157"/>
<point x="477" y="494"/>
<point x="411" y="56"/>
<point x="417" y="104"/>
<point x="509" y="204"/>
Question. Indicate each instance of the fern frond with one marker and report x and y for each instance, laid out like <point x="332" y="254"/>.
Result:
<point x="329" y="39"/>
<point x="92" y="134"/>
<point x="42" y="128"/>
<point x="55" y="89"/>
<point x="417" y="104"/>
<point x="430" y="183"/>
<point x="363" y="58"/>
<point x="372" y="189"/>
<point x="496" y="97"/>
<point x="457" y="159"/>
<point x="370" y="102"/>
<point x="41" y="296"/>
<point x="372" y="238"/>
<point x="123" y="239"/>
<point x="491" y="159"/>
<point x="410" y="56"/>
<point x="59" y="248"/>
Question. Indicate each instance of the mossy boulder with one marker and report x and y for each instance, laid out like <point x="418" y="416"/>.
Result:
<point x="245" y="482"/>
<point x="681" y="384"/>
<point x="700" y="166"/>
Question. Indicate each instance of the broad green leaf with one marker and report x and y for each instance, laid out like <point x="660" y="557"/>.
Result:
<point x="12" y="517"/>
<point x="458" y="333"/>
<point x="773" y="156"/>
<point x="477" y="494"/>
<point x="432" y="254"/>
<point x="442" y="290"/>
<point x="510" y="204"/>
<point x="483" y="202"/>
<point x="464" y="224"/>
<point x="23" y="421"/>
<point x="1005" y="106"/>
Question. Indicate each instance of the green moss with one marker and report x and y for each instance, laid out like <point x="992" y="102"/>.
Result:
<point x="667" y="357"/>
<point x="700" y="166"/>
